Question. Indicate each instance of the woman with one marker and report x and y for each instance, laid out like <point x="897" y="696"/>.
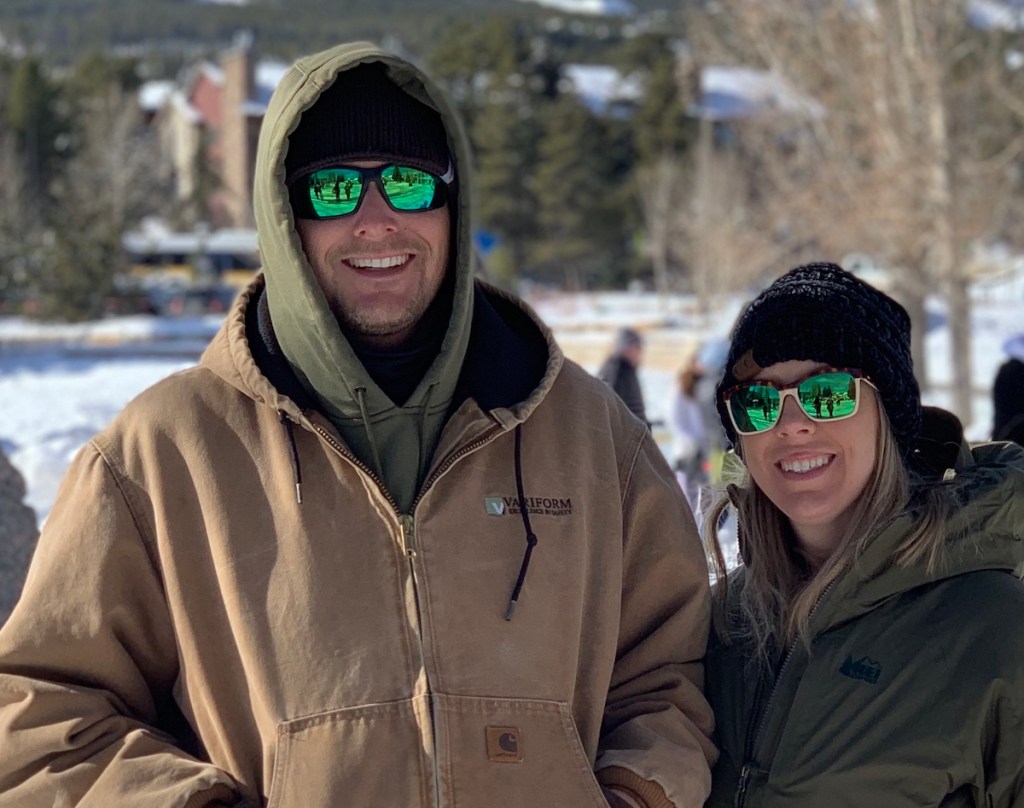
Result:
<point x="689" y="433"/>
<point x="869" y="648"/>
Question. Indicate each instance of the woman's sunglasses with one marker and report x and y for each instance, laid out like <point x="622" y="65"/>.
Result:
<point x="824" y="396"/>
<point x="328" y="193"/>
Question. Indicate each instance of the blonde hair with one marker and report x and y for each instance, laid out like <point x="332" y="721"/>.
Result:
<point x="781" y="590"/>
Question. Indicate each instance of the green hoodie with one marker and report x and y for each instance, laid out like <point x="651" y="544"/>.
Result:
<point x="910" y="689"/>
<point x="395" y="441"/>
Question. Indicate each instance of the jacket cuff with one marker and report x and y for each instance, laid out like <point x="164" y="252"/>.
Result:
<point x="213" y="797"/>
<point x="645" y="792"/>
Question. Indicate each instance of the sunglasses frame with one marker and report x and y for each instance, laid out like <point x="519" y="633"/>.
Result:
<point x="302" y="202"/>
<point x="792" y="389"/>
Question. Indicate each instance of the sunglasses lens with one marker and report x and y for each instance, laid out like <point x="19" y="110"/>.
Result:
<point x="412" y="189"/>
<point x="754" y="407"/>
<point x="332" y="192"/>
<point x="827" y="396"/>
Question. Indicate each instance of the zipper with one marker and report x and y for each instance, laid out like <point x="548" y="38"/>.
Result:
<point x="410" y="551"/>
<point x="741" y="787"/>
<point x="450" y="461"/>
<point x="323" y="433"/>
<point x="747" y="770"/>
<point x="408" y="523"/>
<point x="409" y="542"/>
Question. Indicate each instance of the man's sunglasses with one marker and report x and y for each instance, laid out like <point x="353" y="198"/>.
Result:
<point x="824" y="396"/>
<point x="328" y="193"/>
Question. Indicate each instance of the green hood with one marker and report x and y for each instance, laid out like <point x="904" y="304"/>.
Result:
<point x="986" y="533"/>
<point x="395" y="441"/>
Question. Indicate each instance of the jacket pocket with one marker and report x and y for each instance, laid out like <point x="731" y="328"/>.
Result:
<point x="377" y="754"/>
<point x="512" y="752"/>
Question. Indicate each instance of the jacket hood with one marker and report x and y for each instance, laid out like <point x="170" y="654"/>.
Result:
<point x="380" y="431"/>
<point x="985" y="532"/>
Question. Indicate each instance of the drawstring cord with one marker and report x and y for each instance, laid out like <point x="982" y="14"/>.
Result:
<point x="294" y="451"/>
<point x="361" y="400"/>
<point x="422" y="457"/>
<point x="531" y="537"/>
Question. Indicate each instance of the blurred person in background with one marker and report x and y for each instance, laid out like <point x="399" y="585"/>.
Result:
<point x="869" y="649"/>
<point x="300" y="574"/>
<point x="689" y="432"/>
<point x="18" y="535"/>
<point x="619" y="371"/>
<point x="1008" y="393"/>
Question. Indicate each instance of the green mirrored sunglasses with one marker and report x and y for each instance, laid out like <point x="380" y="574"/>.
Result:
<point x="334" y="191"/>
<point x="824" y="396"/>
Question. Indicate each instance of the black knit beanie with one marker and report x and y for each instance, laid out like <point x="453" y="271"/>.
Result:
<point x="364" y="115"/>
<point x="822" y="313"/>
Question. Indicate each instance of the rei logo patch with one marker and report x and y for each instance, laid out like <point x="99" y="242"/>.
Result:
<point x="865" y="669"/>
<point x="504" y="745"/>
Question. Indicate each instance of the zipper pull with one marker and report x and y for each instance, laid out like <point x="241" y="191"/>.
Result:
<point x="408" y="535"/>
<point x="741" y="787"/>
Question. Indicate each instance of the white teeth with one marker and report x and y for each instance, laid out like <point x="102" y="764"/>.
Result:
<point x="802" y="466"/>
<point x="379" y="263"/>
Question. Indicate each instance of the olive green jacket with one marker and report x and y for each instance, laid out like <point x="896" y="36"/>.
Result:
<point x="910" y="690"/>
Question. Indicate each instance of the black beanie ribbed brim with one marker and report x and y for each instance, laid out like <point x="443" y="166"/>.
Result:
<point x="365" y="115"/>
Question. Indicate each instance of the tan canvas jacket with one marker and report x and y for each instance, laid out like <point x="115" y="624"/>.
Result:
<point x="191" y="633"/>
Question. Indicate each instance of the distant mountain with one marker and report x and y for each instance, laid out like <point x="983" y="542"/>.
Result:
<point x="66" y="29"/>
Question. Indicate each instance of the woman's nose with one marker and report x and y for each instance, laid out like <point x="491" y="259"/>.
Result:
<point x="793" y="419"/>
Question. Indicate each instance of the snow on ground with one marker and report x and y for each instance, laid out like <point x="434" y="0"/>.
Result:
<point x="59" y="385"/>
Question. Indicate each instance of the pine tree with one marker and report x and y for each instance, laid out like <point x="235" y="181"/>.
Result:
<point x="582" y="234"/>
<point x="35" y="125"/>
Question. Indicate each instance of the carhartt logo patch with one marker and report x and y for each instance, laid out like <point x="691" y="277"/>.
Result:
<point x="535" y="506"/>
<point x="504" y="745"/>
<point x="865" y="669"/>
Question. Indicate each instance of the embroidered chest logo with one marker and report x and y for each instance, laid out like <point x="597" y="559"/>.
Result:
<point x="865" y="669"/>
<point x="535" y="506"/>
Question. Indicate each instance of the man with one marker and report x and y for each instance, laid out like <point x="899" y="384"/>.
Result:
<point x="619" y="371"/>
<point x="385" y="546"/>
<point x="1008" y="393"/>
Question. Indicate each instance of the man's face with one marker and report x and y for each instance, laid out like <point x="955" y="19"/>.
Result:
<point x="379" y="268"/>
<point x="634" y="354"/>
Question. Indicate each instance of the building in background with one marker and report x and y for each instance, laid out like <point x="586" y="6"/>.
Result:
<point x="208" y="124"/>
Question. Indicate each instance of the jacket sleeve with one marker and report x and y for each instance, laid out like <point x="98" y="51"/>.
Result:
<point x="655" y="742"/>
<point x="88" y="664"/>
<point x="1003" y="754"/>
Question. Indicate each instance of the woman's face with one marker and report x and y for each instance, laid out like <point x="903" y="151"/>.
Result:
<point x="813" y="471"/>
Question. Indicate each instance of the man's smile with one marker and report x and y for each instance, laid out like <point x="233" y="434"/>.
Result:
<point x="387" y="262"/>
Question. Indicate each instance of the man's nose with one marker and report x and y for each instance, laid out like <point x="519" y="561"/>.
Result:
<point x="375" y="216"/>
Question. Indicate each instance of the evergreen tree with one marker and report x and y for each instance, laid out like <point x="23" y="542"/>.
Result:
<point x="106" y="183"/>
<point x="663" y="133"/>
<point x="35" y="126"/>
<point x="507" y="134"/>
<point x="582" y="235"/>
<point x="661" y="123"/>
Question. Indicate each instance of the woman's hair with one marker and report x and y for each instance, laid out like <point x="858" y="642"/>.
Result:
<point x="780" y="589"/>
<point x="687" y="378"/>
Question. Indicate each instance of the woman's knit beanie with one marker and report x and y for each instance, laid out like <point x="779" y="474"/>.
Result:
<point x="822" y="313"/>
